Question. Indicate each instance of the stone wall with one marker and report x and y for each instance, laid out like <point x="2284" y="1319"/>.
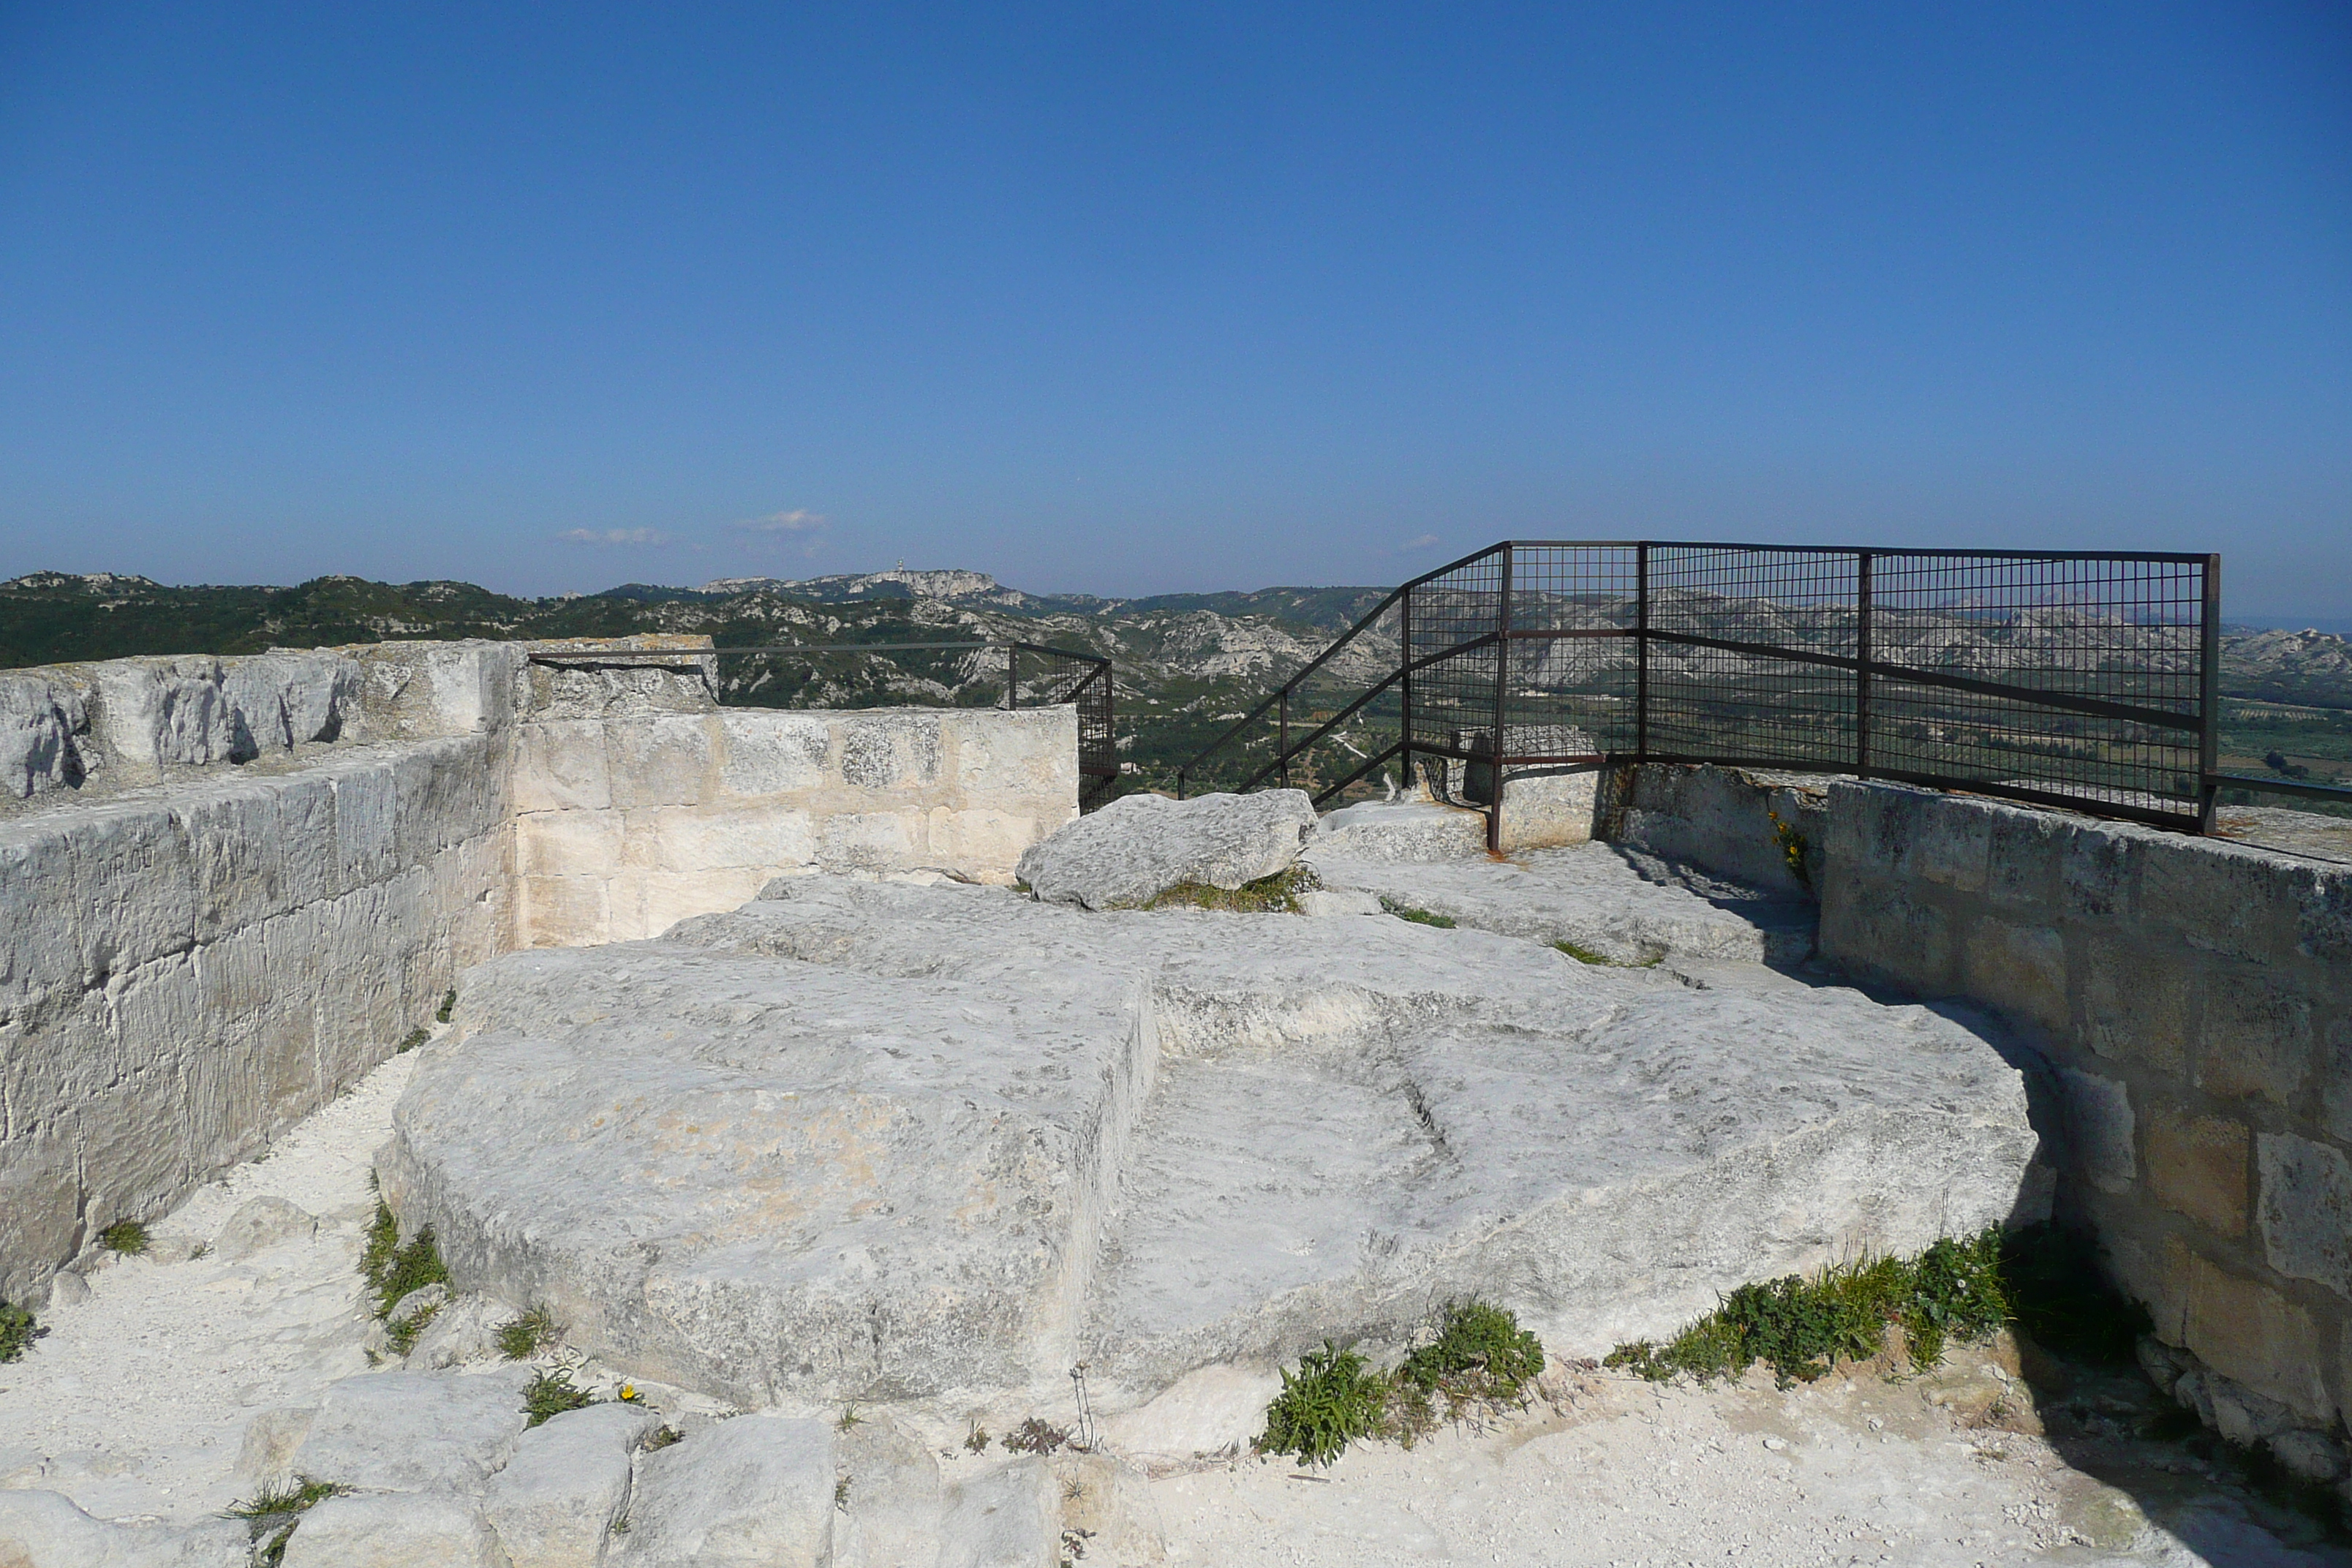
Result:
<point x="187" y="967"/>
<point x="2195" y="999"/>
<point x="626" y="824"/>
<point x="230" y="887"/>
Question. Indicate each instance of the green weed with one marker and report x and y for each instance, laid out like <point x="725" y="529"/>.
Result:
<point x="1793" y="849"/>
<point x="18" y="1330"/>
<point x="1335" y="1398"/>
<point x="1602" y="960"/>
<point x="1418" y="917"/>
<point x="1278" y="894"/>
<point x="1035" y="1436"/>
<point x="401" y="1336"/>
<point x="448" y="1005"/>
<point x="520" y="1340"/>
<point x="127" y="1237"/>
<point x="662" y="1437"/>
<point x="273" y="1503"/>
<point x="551" y="1394"/>
<point x="976" y="1440"/>
<point x="1480" y="1352"/>
<point x="415" y="1038"/>
<point x="392" y="1270"/>
<point x="1801" y="1328"/>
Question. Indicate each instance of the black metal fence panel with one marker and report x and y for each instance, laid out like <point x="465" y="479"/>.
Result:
<point x="2074" y="678"/>
<point x="1038" y="676"/>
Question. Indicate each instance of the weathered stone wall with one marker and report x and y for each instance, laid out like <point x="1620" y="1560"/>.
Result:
<point x="186" y="967"/>
<point x="1738" y="821"/>
<point x="2195" y="997"/>
<point x="626" y="824"/>
<point x="230" y="887"/>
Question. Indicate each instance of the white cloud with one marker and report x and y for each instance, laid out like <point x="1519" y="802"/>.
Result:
<point x="1423" y="542"/>
<point x="614" y="536"/>
<point x="793" y="521"/>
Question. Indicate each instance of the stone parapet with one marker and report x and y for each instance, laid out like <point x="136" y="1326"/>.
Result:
<point x="2195" y="998"/>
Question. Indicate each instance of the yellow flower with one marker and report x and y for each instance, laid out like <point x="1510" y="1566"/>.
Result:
<point x="628" y="1391"/>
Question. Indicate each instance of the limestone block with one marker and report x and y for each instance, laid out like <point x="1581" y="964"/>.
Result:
<point x="2197" y="1166"/>
<point x="309" y="852"/>
<point x="259" y="1223"/>
<point x="2024" y="851"/>
<point x="567" y="843"/>
<point x="2246" y="1330"/>
<point x="2324" y="920"/>
<point x="563" y="911"/>
<point x="41" y="941"/>
<point x="2308" y="1455"/>
<point x="2021" y="970"/>
<point x="2335" y="1079"/>
<point x="367" y="810"/>
<point x="278" y="701"/>
<point x="2099" y="1125"/>
<point x="1409" y="831"/>
<point x="756" y="1491"/>
<point x="2138" y="1004"/>
<point x="709" y="838"/>
<point x="981" y="842"/>
<point x="1005" y="1520"/>
<point x="1871" y="924"/>
<point x="402" y="1529"/>
<point x="1548" y="807"/>
<point x="1321" y="902"/>
<point x="2307" y="1209"/>
<point x="45" y="1529"/>
<point x="891" y="750"/>
<point x="148" y="714"/>
<point x="1210" y="1411"/>
<point x="772" y="751"/>
<point x="868" y="841"/>
<point x="1023" y="761"/>
<point x="40" y="1193"/>
<point x="465" y="1330"/>
<point x="407" y="1432"/>
<point x="44" y="730"/>
<point x="659" y="761"/>
<point x="1140" y="845"/>
<point x="237" y="853"/>
<point x="135" y="886"/>
<point x="2096" y="870"/>
<point x="554" y="1504"/>
<point x="561" y="766"/>
<point x="2256" y="1040"/>
<point x="648" y="903"/>
<point x="2229" y="899"/>
<point x="895" y="1503"/>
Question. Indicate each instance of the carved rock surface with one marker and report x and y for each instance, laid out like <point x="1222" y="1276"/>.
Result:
<point x="871" y="1141"/>
<point x="1141" y="844"/>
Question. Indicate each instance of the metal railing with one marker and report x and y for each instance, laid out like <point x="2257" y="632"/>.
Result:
<point x="2062" y="678"/>
<point x="1036" y="676"/>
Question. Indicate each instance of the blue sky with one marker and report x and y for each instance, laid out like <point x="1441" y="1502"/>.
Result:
<point x="1129" y="299"/>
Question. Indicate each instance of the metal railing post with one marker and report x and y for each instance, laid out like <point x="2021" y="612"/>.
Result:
<point x="1281" y="736"/>
<point x="1862" y="664"/>
<point x="1502" y="705"/>
<point x="1642" y="651"/>
<point x="1404" y="685"/>
<point x="2208" y="696"/>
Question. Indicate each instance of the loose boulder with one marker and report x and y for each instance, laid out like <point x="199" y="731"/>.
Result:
<point x="402" y="1431"/>
<point x="1140" y="846"/>
<point x="258" y="1223"/>
<point x="758" y="1489"/>
<point x="557" y="1501"/>
<point x="395" y="1530"/>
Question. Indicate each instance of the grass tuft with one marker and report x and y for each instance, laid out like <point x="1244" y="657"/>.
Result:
<point x="1278" y="894"/>
<point x="662" y="1437"/>
<point x="552" y="1393"/>
<point x="401" y="1336"/>
<point x="1480" y="1352"/>
<point x="1602" y="960"/>
<point x="520" y="1340"/>
<point x="272" y="1504"/>
<point x="1335" y="1398"/>
<point x="448" y="1005"/>
<point x="415" y="1038"/>
<point x="1418" y="917"/>
<point x="392" y="1270"/>
<point x="18" y="1330"/>
<point x="127" y="1237"/>
<point x="1801" y="1328"/>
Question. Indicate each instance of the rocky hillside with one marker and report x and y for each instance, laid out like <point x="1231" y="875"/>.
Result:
<point x="1187" y="663"/>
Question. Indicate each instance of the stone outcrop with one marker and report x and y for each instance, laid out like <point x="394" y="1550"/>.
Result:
<point x="1143" y="844"/>
<point x="1153" y="1141"/>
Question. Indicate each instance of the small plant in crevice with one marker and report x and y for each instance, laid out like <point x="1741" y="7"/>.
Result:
<point x="1794" y="848"/>
<point x="1801" y="1328"/>
<point x="392" y="1270"/>
<point x="401" y="1336"/>
<point x="127" y="1237"/>
<point x="552" y="1393"/>
<point x="1278" y="894"/>
<point x="1335" y="1398"/>
<point x="415" y="1038"/>
<point x="18" y="1330"/>
<point x="841" y="1493"/>
<point x="1418" y="917"/>
<point x="271" y="1504"/>
<point x="849" y="1417"/>
<point x="662" y="1437"/>
<point x="976" y="1440"/>
<point x="1035" y="1436"/>
<point x="521" y="1340"/>
<point x="448" y="1005"/>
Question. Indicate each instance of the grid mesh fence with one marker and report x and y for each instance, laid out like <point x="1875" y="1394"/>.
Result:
<point x="1043" y="677"/>
<point x="2071" y="678"/>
